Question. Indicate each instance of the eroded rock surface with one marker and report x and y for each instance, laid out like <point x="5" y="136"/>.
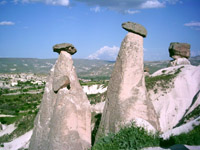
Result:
<point x="64" y="118"/>
<point x="179" y="61"/>
<point x="127" y="99"/>
<point x="179" y="99"/>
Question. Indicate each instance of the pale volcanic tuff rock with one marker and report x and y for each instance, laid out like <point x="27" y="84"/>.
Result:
<point x="179" y="99"/>
<point x="60" y="81"/>
<point x="127" y="99"/>
<point x="179" y="61"/>
<point x="64" y="118"/>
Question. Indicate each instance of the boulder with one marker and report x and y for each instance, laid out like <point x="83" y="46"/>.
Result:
<point x="179" y="50"/>
<point x="127" y="98"/>
<point x="135" y="28"/>
<point x="61" y="82"/>
<point x="64" y="47"/>
<point x="64" y="119"/>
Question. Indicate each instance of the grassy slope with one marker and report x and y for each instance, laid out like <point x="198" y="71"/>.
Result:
<point x="24" y="108"/>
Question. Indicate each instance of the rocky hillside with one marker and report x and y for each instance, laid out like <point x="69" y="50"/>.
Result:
<point x="175" y="94"/>
<point x="85" y="68"/>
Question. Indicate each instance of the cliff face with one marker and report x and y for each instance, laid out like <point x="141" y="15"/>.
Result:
<point x="63" y="121"/>
<point x="180" y="97"/>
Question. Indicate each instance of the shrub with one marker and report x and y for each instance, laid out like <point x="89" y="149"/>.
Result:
<point x="190" y="138"/>
<point x="129" y="137"/>
<point x="8" y="120"/>
<point x="192" y="115"/>
<point x="96" y="98"/>
<point x="133" y="138"/>
<point x="95" y="118"/>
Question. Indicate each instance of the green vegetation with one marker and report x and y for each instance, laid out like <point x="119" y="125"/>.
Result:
<point x="128" y="138"/>
<point x="28" y="86"/>
<point x="164" y="80"/>
<point x="24" y="108"/>
<point x="7" y="91"/>
<point x="22" y="87"/>
<point x="191" y="138"/>
<point x="134" y="138"/>
<point x="96" y="98"/>
<point x="24" y="124"/>
<point x="192" y="115"/>
<point x="155" y="65"/>
<point x="96" y="119"/>
<point x="93" y="82"/>
<point x="19" y="104"/>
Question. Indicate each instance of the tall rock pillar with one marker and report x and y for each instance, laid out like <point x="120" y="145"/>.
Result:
<point x="64" y="118"/>
<point x="127" y="99"/>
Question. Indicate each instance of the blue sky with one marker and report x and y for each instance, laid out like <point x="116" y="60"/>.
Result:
<point x="30" y="28"/>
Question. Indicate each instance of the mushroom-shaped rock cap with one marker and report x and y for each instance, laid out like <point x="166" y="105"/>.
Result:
<point x="179" y="50"/>
<point x="64" y="47"/>
<point x="135" y="28"/>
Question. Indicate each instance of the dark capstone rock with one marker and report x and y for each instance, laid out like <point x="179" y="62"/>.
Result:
<point x="179" y="50"/>
<point x="135" y="28"/>
<point x="64" y="47"/>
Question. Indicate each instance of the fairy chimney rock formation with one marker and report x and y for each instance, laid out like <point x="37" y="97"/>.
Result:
<point x="180" y="52"/>
<point x="63" y="121"/>
<point x="127" y="99"/>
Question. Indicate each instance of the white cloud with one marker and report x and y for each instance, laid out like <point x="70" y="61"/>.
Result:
<point x="6" y="23"/>
<point x="117" y="5"/>
<point x="95" y="9"/>
<point x="49" y="2"/>
<point x="152" y="4"/>
<point x="125" y="6"/>
<point x="105" y="53"/>
<point x="192" y="24"/>
<point x="131" y="12"/>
